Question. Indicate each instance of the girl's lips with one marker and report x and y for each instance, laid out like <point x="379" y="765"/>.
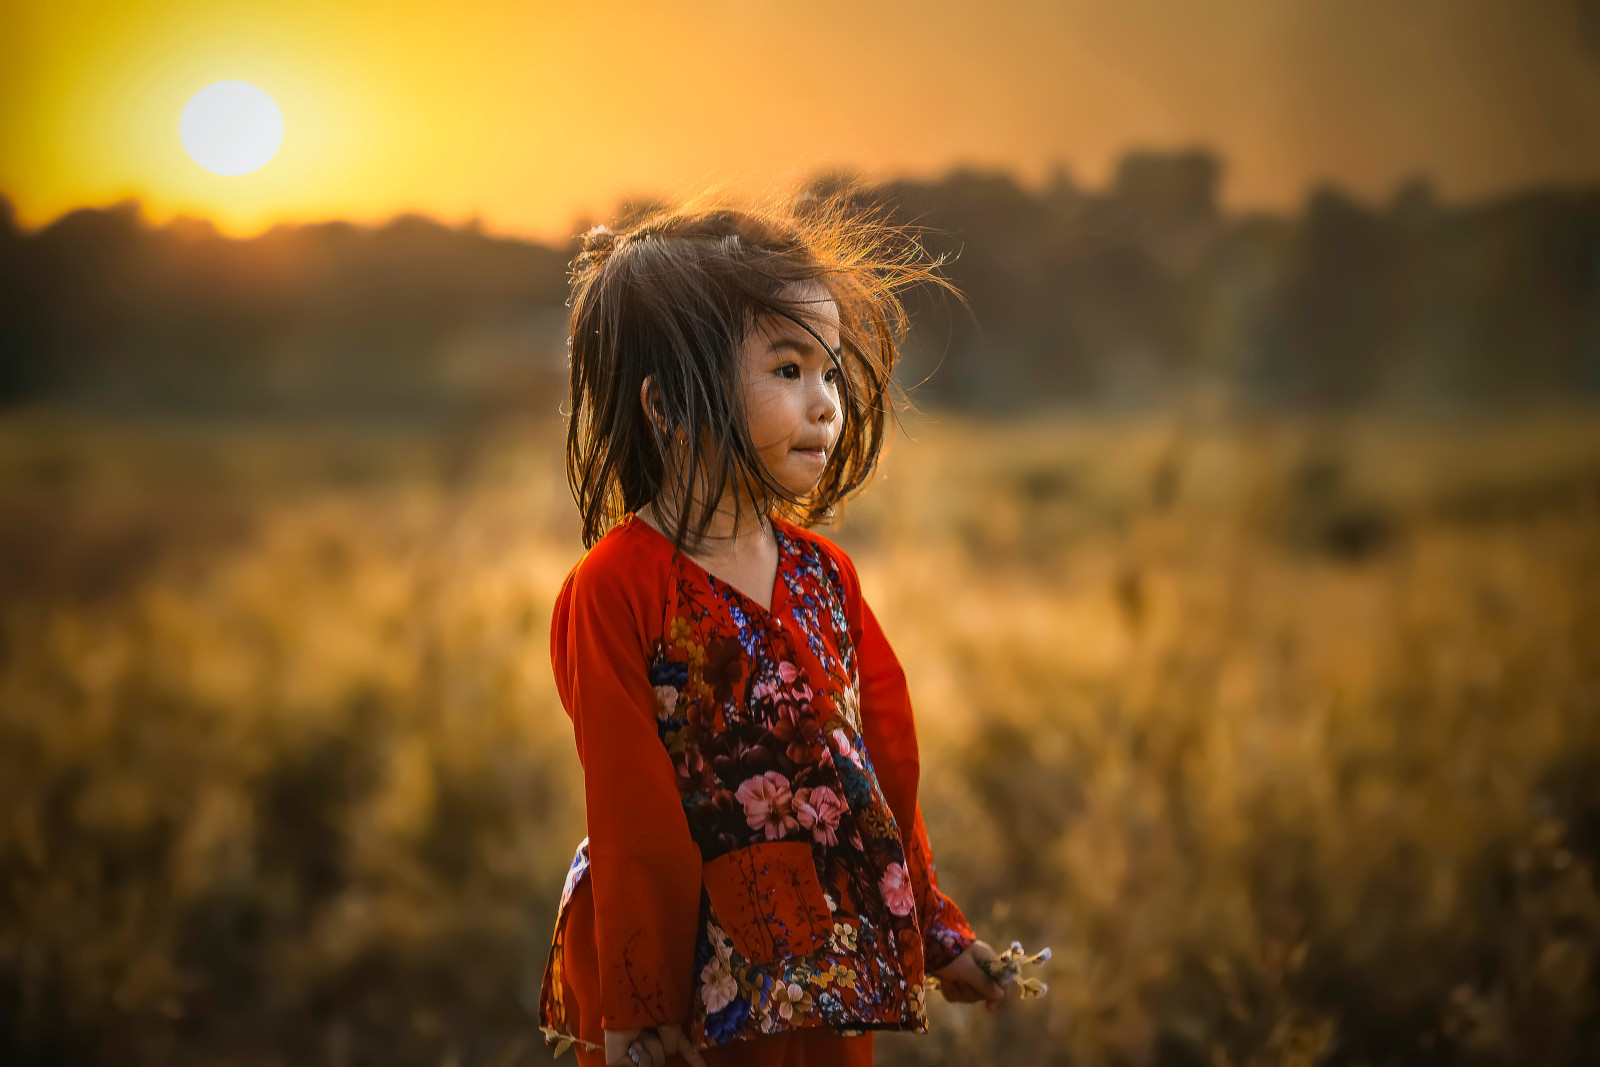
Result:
<point x="814" y="453"/>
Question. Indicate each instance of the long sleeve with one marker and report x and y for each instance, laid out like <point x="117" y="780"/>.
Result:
<point x="643" y="865"/>
<point x="891" y="736"/>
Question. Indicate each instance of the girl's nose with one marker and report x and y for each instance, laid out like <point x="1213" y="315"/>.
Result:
<point x="829" y="411"/>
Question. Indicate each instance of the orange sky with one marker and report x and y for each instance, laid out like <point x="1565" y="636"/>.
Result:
<point x="530" y="113"/>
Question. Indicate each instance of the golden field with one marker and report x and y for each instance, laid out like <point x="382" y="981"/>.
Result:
<point x="1282" y="733"/>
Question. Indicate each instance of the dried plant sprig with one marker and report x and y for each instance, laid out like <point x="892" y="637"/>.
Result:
<point x="562" y="1042"/>
<point x="1008" y="966"/>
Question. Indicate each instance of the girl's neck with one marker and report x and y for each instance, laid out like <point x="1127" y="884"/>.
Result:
<point x="720" y="539"/>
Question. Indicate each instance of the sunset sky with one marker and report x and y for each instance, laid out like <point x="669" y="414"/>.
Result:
<point x="533" y="114"/>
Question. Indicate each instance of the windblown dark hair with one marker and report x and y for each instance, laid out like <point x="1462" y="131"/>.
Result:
<point x="673" y="295"/>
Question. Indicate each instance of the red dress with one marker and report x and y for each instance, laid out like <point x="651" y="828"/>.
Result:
<point x="756" y="863"/>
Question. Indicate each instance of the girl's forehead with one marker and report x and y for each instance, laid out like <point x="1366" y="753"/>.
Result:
<point x="814" y="294"/>
<point x="819" y="310"/>
<point x="823" y="320"/>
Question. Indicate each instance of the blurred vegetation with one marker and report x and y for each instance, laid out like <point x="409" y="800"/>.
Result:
<point x="1281" y="732"/>
<point x="1113" y="298"/>
<point x="1266" y="702"/>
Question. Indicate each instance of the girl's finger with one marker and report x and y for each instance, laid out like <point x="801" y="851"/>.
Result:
<point x="655" y="1055"/>
<point x="959" y="992"/>
<point x="677" y="1041"/>
<point x="616" y="1048"/>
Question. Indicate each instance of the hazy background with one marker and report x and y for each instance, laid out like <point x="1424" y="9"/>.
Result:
<point x="529" y="113"/>
<point x="1243" y="548"/>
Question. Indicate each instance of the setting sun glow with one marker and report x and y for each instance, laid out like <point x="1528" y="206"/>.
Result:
<point x="534" y="114"/>
<point x="231" y="127"/>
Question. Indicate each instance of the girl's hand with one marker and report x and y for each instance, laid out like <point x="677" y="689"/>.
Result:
<point x="652" y="1045"/>
<point x="963" y="981"/>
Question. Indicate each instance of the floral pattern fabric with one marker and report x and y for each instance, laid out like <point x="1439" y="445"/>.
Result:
<point x="785" y="737"/>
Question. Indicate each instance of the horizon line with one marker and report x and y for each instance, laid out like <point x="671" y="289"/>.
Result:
<point x="1057" y="177"/>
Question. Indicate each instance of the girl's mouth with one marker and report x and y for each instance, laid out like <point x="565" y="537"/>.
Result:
<point x="814" y="453"/>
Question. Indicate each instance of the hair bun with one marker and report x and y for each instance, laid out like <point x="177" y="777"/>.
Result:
<point x="723" y="224"/>
<point x="600" y="238"/>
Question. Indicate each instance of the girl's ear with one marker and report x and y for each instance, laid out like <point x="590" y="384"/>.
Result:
<point x="647" y="400"/>
<point x="646" y="387"/>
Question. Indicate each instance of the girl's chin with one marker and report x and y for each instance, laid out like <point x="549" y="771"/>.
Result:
<point x="797" y="472"/>
<point x="799" y="483"/>
<point x="800" y="489"/>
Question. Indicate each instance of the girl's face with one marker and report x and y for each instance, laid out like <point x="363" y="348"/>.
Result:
<point x="791" y="392"/>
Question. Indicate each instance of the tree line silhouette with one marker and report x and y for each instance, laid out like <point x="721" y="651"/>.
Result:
<point x="1119" y="296"/>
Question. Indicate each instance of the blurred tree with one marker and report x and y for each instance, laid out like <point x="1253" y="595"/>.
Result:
<point x="1120" y="297"/>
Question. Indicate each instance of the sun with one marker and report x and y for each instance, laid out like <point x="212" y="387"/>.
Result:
<point x="231" y="127"/>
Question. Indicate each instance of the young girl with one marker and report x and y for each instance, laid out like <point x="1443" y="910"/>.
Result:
<point x="757" y="885"/>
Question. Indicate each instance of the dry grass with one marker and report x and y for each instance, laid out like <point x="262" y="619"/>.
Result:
<point x="1281" y="735"/>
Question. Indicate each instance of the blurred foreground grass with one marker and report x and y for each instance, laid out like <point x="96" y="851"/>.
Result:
<point x="1285" y="736"/>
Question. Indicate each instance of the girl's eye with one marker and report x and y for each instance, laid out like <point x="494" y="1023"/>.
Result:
<point x="791" y="371"/>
